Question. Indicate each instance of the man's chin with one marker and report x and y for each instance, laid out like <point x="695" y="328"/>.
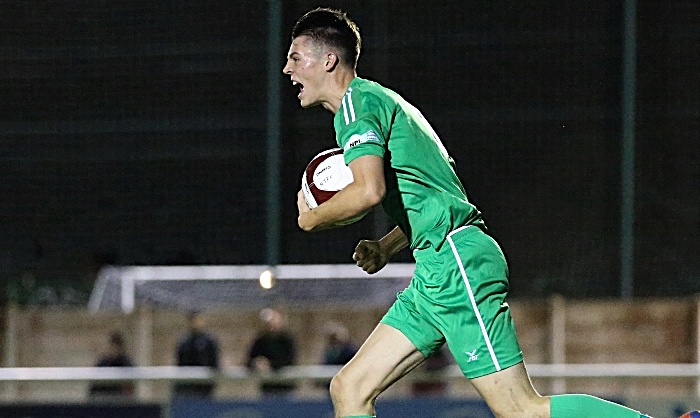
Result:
<point x="305" y="105"/>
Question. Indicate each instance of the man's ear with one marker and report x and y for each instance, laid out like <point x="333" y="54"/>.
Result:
<point x="332" y="61"/>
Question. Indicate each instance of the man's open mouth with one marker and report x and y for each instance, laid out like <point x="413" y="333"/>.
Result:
<point x="300" y="86"/>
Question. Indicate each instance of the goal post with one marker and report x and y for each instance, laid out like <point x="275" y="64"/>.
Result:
<point x="227" y="286"/>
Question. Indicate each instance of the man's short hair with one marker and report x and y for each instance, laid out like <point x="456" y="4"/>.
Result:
<point x="333" y="28"/>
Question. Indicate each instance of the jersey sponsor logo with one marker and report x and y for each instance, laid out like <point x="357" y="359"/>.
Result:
<point x="472" y="356"/>
<point x="348" y="108"/>
<point x="357" y="139"/>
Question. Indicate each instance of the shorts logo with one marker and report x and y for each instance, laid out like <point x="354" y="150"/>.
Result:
<point x="356" y="139"/>
<point x="472" y="356"/>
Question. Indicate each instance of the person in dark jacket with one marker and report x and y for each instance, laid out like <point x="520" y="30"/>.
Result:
<point x="115" y="356"/>
<point x="339" y="347"/>
<point x="273" y="349"/>
<point x="197" y="348"/>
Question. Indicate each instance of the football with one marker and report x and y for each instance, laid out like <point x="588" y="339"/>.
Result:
<point x="325" y="176"/>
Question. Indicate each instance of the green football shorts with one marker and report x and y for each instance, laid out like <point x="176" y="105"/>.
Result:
<point x="458" y="295"/>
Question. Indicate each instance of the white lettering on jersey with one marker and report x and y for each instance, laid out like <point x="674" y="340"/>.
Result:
<point x="357" y="139"/>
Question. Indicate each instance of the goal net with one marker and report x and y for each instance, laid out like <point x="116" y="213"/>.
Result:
<point x="228" y="286"/>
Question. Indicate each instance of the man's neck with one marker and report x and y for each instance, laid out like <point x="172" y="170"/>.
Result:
<point x="340" y="85"/>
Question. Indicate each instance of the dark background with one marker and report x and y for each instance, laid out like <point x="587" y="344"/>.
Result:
<point x="134" y="132"/>
<point x="141" y="410"/>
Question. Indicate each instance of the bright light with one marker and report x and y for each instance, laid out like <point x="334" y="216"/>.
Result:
<point x="267" y="279"/>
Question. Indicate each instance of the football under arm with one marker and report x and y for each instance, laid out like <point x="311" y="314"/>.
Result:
<point x="357" y="198"/>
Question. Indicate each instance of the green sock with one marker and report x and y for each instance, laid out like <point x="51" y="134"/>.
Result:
<point x="586" y="406"/>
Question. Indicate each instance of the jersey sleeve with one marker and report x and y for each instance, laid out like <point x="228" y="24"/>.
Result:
<point x="362" y="127"/>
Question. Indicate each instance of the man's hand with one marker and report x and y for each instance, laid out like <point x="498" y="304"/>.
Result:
<point x="301" y="203"/>
<point x="302" y="207"/>
<point x="370" y="256"/>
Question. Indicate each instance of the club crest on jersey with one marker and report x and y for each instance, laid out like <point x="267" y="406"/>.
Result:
<point x="357" y="139"/>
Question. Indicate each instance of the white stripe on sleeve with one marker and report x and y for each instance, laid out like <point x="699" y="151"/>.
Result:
<point x="352" y="108"/>
<point x="345" y="111"/>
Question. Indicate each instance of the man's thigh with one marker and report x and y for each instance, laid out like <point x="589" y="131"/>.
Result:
<point x="386" y="356"/>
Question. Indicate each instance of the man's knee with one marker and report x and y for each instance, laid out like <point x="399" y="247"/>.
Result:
<point x="336" y="387"/>
<point x="348" y="387"/>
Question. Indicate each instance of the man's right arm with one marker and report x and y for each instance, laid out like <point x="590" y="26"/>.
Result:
<point x="372" y="256"/>
<point x="393" y="242"/>
<point x="366" y="191"/>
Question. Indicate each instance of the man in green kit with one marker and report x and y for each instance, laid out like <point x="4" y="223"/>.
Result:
<point x="458" y="293"/>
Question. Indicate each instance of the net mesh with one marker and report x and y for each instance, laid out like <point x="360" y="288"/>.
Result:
<point x="225" y="287"/>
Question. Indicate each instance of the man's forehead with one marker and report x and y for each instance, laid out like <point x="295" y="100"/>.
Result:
<point x="303" y="44"/>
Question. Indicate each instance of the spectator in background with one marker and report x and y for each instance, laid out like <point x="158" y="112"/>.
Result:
<point x="339" y="348"/>
<point x="114" y="356"/>
<point x="273" y="349"/>
<point x="197" y="348"/>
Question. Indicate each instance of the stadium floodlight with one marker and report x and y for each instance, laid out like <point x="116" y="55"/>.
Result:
<point x="227" y="286"/>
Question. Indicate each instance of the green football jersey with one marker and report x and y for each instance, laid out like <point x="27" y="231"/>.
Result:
<point x="424" y="195"/>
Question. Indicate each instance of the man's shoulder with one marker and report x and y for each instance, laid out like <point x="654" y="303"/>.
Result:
<point x="370" y="91"/>
<point x="363" y="98"/>
<point x="368" y="85"/>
